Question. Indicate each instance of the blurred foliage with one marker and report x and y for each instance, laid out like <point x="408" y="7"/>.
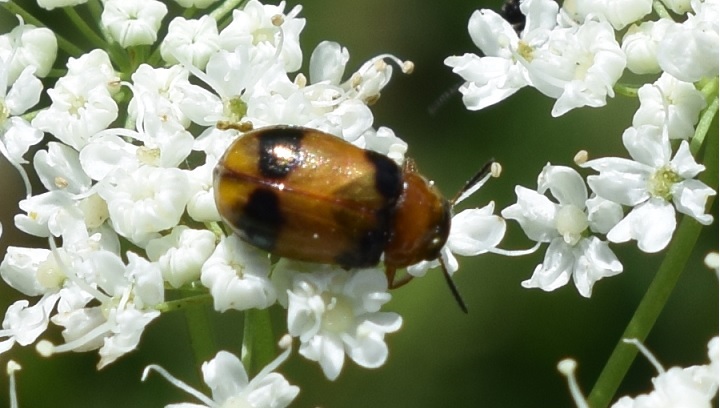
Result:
<point x="504" y="352"/>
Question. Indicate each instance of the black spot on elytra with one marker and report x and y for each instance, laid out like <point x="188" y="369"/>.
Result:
<point x="388" y="176"/>
<point x="261" y="219"/>
<point x="369" y="243"/>
<point x="367" y="250"/>
<point x="279" y="151"/>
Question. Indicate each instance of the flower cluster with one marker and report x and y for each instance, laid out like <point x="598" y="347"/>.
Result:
<point x="694" y="386"/>
<point x="571" y="54"/>
<point x="128" y="207"/>
<point x="577" y="54"/>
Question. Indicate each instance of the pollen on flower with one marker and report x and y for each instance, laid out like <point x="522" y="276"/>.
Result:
<point x="380" y="65"/>
<point x="12" y="367"/>
<point x="60" y="182"/>
<point x="45" y="348"/>
<point x="148" y="155"/>
<point x="277" y="20"/>
<point x="234" y="108"/>
<point x="661" y="182"/>
<point x="495" y="169"/>
<point x="300" y="80"/>
<point x="581" y="157"/>
<point x="408" y="67"/>
<point x="525" y="51"/>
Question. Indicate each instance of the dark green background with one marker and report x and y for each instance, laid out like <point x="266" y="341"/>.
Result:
<point x="504" y="353"/>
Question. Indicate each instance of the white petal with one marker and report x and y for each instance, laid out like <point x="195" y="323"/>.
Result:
<point x="535" y="213"/>
<point x="565" y="184"/>
<point x="651" y="223"/>
<point x="475" y="231"/>
<point x="25" y="92"/>
<point x="556" y="268"/>
<point x="491" y="33"/>
<point x="18" y="137"/>
<point x="328" y="351"/>
<point x="690" y="197"/>
<point x="647" y="145"/>
<point x="327" y="62"/>
<point x="603" y="214"/>
<point x="595" y="260"/>
<point x="225" y="375"/>
<point x="621" y="187"/>
<point x="59" y="168"/>
<point x="684" y="163"/>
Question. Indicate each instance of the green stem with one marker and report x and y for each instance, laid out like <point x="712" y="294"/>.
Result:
<point x="258" y="340"/>
<point x="185" y="303"/>
<point x="660" y="9"/>
<point x="201" y="338"/>
<point x="84" y="28"/>
<point x="657" y="294"/>
<point x="63" y="44"/>
<point x="226" y="7"/>
<point x="626" y="90"/>
<point x="710" y="91"/>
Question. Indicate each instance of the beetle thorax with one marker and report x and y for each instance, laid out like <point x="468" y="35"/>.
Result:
<point x="420" y="226"/>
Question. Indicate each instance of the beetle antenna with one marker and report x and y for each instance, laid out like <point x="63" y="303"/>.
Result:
<point x="491" y="168"/>
<point x="453" y="288"/>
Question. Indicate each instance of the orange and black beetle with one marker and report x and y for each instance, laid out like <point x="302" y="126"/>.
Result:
<point x="307" y="195"/>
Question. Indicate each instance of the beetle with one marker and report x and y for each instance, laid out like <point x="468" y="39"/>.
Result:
<point x="307" y="195"/>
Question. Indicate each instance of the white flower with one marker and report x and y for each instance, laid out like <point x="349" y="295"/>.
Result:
<point x="564" y="225"/>
<point x="640" y="44"/>
<point x="259" y="24"/>
<point x="672" y="103"/>
<point x="127" y="295"/>
<point x="23" y="324"/>
<point x="336" y="312"/>
<point x="59" y="168"/>
<point x="694" y="386"/>
<point x="503" y="69"/>
<point x="226" y="377"/>
<point x="145" y="201"/>
<point x="133" y="22"/>
<point x="159" y="91"/>
<point x="347" y="101"/>
<point x="237" y="276"/>
<point x="238" y="79"/>
<point x="578" y="66"/>
<point x="79" y="109"/>
<point x="190" y="41"/>
<point x="16" y="134"/>
<point x="28" y="46"/>
<point x="619" y="13"/>
<point x="95" y="68"/>
<point x="181" y="254"/>
<point x="652" y="182"/>
<point x="689" y="51"/>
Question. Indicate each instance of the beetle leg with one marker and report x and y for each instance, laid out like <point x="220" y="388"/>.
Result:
<point x="396" y="283"/>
